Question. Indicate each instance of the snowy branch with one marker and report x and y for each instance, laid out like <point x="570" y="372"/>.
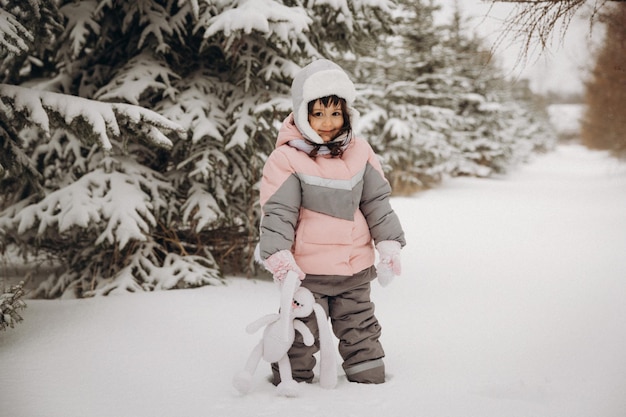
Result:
<point x="89" y="120"/>
<point x="12" y="34"/>
<point x="124" y="203"/>
<point x="158" y="25"/>
<point x="147" y="271"/>
<point x="10" y="303"/>
<point x="199" y="106"/>
<point x="144" y="72"/>
<point x="13" y="160"/>
<point x="80" y="23"/>
<point x="265" y="16"/>
<point x="201" y="208"/>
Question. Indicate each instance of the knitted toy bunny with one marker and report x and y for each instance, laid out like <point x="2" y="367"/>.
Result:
<point x="279" y="334"/>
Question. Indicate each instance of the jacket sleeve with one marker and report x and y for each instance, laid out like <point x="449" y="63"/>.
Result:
<point x="280" y="198"/>
<point x="375" y="205"/>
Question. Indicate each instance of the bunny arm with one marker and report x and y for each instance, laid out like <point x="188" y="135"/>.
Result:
<point x="304" y="331"/>
<point x="263" y="321"/>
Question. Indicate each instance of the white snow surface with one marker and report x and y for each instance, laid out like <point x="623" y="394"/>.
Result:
<point x="511" y="304"/>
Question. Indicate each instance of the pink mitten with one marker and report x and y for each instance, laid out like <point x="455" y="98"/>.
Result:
<point x="282" y="262"/>
<point x="389" y="265"/>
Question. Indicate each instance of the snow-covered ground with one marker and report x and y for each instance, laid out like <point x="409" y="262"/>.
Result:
<point x="512" y="304"/>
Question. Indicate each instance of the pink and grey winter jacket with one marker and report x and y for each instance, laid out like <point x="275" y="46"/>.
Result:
<point x="328" y="211"/>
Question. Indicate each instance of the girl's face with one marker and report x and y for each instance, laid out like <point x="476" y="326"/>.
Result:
<point x="327" y="121"/>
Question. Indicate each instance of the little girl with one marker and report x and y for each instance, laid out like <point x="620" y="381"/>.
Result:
<point x="325" y="204"/>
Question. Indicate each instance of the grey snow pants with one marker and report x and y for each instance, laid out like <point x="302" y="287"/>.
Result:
<point x="347" y="303"/>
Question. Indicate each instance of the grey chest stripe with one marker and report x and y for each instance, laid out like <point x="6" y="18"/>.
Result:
<point x="336" y="198"/>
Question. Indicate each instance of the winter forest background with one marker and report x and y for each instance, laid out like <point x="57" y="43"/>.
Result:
<point x="133" y="133"/>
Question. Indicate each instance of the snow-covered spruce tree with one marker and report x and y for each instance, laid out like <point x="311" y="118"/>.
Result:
<point x="439" y="107"/>
<point x="59" y="176"/>
<point x="501" y="121"/>
<point x="137" y="217"/>
<point x="409" y="134"/>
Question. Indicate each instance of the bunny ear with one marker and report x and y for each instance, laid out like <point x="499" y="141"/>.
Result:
<point x="328" y="363"/>
<point x="290" y="284"/>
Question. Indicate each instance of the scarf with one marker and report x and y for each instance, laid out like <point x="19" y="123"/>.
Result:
<point x="334" y="148"/>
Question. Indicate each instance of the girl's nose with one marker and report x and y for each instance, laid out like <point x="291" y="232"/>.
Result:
<point x="326" y="121"/>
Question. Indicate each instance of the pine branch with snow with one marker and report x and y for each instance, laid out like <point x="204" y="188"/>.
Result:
<point x="146" y="266"/>
<point x="10" y="304"/>
<point x="28" y="31"/>
<point x="80" y="24"/>
<point x="89" y="120"/>
<point x="14" y="38"/>
<point x="122" y="197"/>
<point x="13" y="160"/>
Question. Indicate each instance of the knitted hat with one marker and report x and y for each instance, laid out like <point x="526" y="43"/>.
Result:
<point x="321" y="78"/>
